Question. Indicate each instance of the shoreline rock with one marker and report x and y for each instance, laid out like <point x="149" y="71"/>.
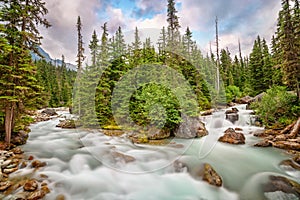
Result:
<point x="287" y="139"/>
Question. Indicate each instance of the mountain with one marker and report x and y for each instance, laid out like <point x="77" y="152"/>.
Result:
<point x="46" y="56"/>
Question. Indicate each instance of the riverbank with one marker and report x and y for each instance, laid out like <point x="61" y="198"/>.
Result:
<point x="14" y="182"/>
<point x="17" y="185"/>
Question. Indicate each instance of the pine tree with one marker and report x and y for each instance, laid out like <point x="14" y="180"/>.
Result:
<point x="137" y="41"/>
<point x="173" y="26"/>
<point x="94" y="48"/>
<point x="287" y="36"/>
<point x="255" y="67"/>
<point x="80" y="49"/>
<point x="19" y="87"/>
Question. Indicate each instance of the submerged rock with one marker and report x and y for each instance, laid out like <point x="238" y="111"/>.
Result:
<point x="117" y="156"/>
<point x="232" y="137"/>
<point x="191" y="127"/>
<point x="211" y="176"/>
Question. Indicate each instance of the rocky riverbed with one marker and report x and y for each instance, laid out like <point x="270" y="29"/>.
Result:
<point x="13" y="184"/>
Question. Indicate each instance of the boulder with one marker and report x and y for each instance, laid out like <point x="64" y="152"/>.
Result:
<point x="207" y="112"/>
<point x="290" y="163"/>
<point x="19" y="138"/>
<point x="285" y="185"/>
<point x="232" y="137"/>
<point x="233" y="110"/>
<point x="264" y="143"/>
<point x="244" y="100"/>
<point x="211" y="176"/>
<point x="190" y="127"/>
<point x="38" y="164"/>
<point x="232" y="117"/>
<point x="30" y="185"/>
<point x="49" y="112"/>
<point x="67" y="124"/>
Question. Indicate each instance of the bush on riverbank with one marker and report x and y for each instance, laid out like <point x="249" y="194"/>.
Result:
<point x="278" y="107"/>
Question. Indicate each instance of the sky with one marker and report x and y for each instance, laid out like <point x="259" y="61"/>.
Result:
<point x="238" y="20"/>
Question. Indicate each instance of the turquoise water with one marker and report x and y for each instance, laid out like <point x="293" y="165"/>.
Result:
<point x="80" y="164"/>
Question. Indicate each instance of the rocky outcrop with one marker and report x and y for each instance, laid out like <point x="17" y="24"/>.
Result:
<point x="232" y="137"/>
<point x="191" y="127"/>
<point x="211" y="176"/>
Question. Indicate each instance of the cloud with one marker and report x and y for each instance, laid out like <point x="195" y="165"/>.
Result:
<point x="145" y="7"/>
<point x="61" y="38"/>
<point x="237" y="20"/>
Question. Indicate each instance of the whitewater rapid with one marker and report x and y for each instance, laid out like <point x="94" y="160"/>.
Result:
<point x="80" y="164"/>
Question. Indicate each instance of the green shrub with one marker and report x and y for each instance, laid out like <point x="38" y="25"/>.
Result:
<point x="232" y="92"/>
<point x="278" y="108"/>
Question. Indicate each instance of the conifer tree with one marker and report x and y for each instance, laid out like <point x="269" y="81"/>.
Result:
<point x="94" y="48"/>
<point x="173" y="25"/>
<point x="19" y="87"/>
<point x="287" y="39"/>
<point x="80" y="49"/>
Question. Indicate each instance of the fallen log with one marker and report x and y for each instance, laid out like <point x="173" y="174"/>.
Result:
<point x="288" y="128"/>
<point x="295" y="131"/>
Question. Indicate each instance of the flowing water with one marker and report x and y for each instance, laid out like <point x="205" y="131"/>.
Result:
<point x="83" y="164"/>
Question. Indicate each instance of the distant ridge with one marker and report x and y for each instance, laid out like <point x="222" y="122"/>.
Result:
<point x="47" y="58"/>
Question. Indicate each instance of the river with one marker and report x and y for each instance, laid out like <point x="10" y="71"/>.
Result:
<point x="80" y="164"/>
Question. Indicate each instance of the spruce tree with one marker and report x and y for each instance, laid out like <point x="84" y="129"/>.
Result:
<point x="173" y="26"/>
<point x="289" y="46"/>
<point x="19" y="87"/>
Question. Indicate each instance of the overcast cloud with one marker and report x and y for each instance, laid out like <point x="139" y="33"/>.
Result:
<point x="238" y="19"/>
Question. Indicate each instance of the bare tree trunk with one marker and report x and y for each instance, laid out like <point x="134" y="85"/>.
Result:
<point x="9" y="112"/>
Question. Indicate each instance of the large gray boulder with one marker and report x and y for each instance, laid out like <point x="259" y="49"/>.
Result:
<point x="190" y="127"/>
